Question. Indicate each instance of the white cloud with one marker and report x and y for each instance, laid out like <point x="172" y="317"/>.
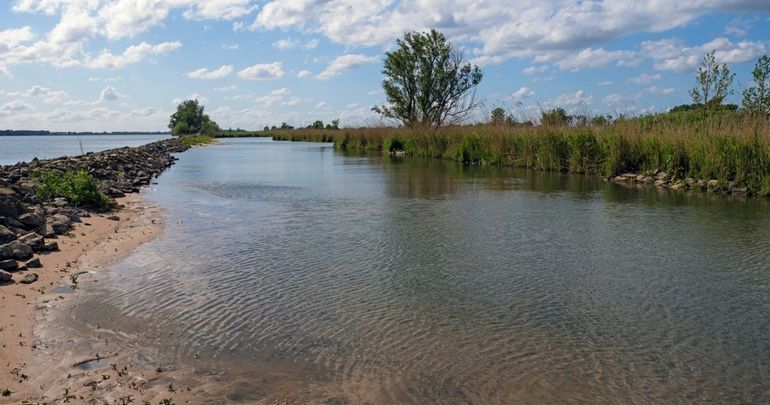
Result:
<point x="231" y="47"/>
<point x="645" y="78"/>
<point x="13" y="37"/>
<point x="572" y="99"/>
<point x="133" y="54"/>
<point x="345" y="62"/>
<point x="195" y="96"/>
<point x="605" y="83"/>
<point x="321" y="105"/>
<point x="501" y="29"/>
<point x="269" y="71"/>
<point x="660" y="90"/>
<point x="534" y="69"/>
<point x="4" y="72"/>
<point x="14" y="107"/>
<point x="289" y="43"/>
<point x="304" y="74"/>
<point x="43" y="93"/>
<point x="109" y="94"/>
<point x="620" y="101"/>
<point x="522" y="93"/>
<point x="672" y="54"/>
<point x="219" y="9"/>
<point x="205" y="74"/>
<point x="593" y="58"/>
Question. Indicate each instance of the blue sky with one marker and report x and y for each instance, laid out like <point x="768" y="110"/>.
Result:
<point x="97" y="65"/>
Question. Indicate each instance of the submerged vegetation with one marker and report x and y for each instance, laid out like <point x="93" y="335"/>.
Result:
<point x="79" y="188"/>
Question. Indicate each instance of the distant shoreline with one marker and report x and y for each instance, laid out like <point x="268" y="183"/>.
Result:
<point x="49" y="133"/>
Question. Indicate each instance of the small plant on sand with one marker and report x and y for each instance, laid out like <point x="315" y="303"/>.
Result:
<point x="79" y="188"/>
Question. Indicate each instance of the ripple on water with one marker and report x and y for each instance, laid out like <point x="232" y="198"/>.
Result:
<point x="401" y="283"/>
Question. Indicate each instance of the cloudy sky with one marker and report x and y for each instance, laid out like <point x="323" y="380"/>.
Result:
<point x="124" y="64"/>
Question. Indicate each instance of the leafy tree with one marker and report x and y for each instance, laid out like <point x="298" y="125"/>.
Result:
<point x="498" y="116"/>
<point x="756" y="99"/>
<point x="712" y="83"/>
<point x="318" y="125"/>
<point x="286" y="126"/>
<point x="554" y="117"/>
<point x="190" y="119"/>
<point x="426" y="82"/>
<point x="266" y="128"/>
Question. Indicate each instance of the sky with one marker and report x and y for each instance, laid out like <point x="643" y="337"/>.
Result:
<point x="119" y="65"/>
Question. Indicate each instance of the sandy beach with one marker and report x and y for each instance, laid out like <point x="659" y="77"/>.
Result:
<point x="30" y="369"/>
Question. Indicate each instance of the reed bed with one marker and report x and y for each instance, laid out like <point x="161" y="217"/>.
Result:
<point x="729" y="147"/>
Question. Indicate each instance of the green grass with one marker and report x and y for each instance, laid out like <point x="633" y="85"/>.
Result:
<point x="79" y="188"/>
<point x="728" y="147"/>
<point x="244" y="134"/>
<point x="191" y="140"/>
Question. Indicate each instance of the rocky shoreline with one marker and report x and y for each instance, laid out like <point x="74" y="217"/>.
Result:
<point x="662" y="179"/>
<point x="29" y="226"/>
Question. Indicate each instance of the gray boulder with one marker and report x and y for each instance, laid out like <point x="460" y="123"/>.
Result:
<point x="30" y="220"/>
<point x="6" y="235"/>
<point x="33" y="240"/>
<point x="34" y="263"/>
<point x="5" y="276"/>
<point x="19" y="250"/>
<point x="9" y="265"/>
<point x="29" y="278"/>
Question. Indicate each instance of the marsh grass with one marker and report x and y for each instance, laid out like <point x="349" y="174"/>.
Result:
<point x="729" y="147"/>
<point x="191" y="140"/>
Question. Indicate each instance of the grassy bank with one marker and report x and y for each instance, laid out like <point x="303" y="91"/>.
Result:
<point x="730" y="148"/>
<point x="191" y="140"/>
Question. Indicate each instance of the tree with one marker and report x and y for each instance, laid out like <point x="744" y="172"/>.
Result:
<point x="712" y="83"/>
<point x="190" y="119"/>
<point x="756" y="99"/>
<point x="554" y="117"/>
<point x="318" y="125"/>
<point x="498" y="116"/>
<point x="426" y="82"/>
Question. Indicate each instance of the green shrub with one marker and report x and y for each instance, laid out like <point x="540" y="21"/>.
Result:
<point x="79" y="188"/>
<point x="191" y="140"/>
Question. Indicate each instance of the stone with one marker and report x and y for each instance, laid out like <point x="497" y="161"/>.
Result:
<point x="113" y="218"/>
<point x="60" y="228"/>
<point x="640" y="178"/>
<point x="9" y="265"/>
<point x="29" y="278"/>
<point x="7" y="192"/>
<point x="661" y="183"/>
<point x="21" y="251"/>
<point x="619" y="179"/>
<point x="661" y="175"/>
<point x="5" y="276"/>
<point x="33" y="240"/>
<point x="51" y="246"/>
<point x="34" y="263"/>
<point x="6" y="235"/>
<point x="629" y="175"/>
<point x="30" y="220"/>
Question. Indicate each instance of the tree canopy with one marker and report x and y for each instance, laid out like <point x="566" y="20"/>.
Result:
<point x="756" y="99"/>
<point x="426" y="82"/>
<point x="713" y="83"/>
<point x="189" y="119"/>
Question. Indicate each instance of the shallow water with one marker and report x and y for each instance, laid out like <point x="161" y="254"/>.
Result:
<point x="15" y="149"/>
<point x="423" y="281"/>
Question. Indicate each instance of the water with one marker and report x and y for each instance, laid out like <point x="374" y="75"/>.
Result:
<point x="416" y="281"/>
<point x="15" y="149"/>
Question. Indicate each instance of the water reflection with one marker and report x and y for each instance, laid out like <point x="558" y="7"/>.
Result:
<point x="402" y="280"/>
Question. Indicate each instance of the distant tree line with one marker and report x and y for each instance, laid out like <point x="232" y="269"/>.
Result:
<point x="318" y="124"/>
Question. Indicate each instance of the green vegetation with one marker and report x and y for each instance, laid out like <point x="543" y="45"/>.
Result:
<point x="189" y="119"/>
<point x="756" y="99"/>
<point x="191" y="140"/>
<point x="726" y="146"/>
<point x="713" y="83"/>
<point x="79" y="188"/>
<point x="426" y="83"/>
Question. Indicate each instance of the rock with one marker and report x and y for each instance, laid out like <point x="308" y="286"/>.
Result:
<point x="29" y="278"/>
<point x="113" y="218"/>
<point x="619" y="179"/>
<point x="629" y="175"/>
<point x="640" y="178"/>
<point x="5" y="276"/>
<point x="30" y="221"/>
<point x="33" y="240"/>
<point x="51" y="246"/>
<point x="6" y="252"/>
<point x="679" y="185"/>
<point x="9" y="265"/>
<point x="34" y="263"/>
<point x="712" y="183"/>
<point x="661" y="183"/>
<point x="6" y="235"/>
<point x="19" y="250"/>
<point x="60" y="228"/>
<point x="7" y="192"/>
<point x="739" y="191"/>
<point x="661" y="175"/>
